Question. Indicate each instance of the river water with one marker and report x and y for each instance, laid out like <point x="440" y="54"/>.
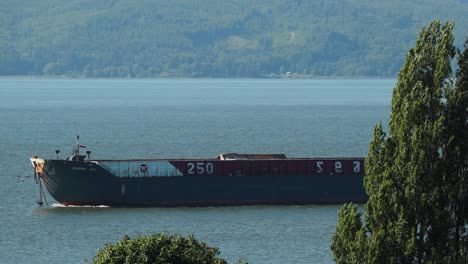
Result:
<point x="175" y="118"/>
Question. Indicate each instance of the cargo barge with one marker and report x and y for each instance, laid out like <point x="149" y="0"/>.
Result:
<point x="228" y="179"/>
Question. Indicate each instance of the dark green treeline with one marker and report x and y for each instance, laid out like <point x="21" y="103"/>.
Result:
<point x="214" y="38"/>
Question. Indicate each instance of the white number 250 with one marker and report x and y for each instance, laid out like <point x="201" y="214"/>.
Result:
<point x="199" y="168"/>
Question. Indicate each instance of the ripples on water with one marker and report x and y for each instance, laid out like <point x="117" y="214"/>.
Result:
<point x="177" y="118"/>
<point x="58" y="205"/>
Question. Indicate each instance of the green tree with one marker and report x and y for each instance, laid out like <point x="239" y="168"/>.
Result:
<point x="416" y="175"/>
<point x="159" y="248"/>
<point x="349" y="243"/>
<point x="456" y="157"/>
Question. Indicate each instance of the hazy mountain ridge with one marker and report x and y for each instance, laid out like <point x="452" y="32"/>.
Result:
<point x="216" y="38"/>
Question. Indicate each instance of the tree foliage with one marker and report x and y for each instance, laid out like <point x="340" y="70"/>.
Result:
<point x="158" y="248"/>
<point x="416" y="176"/>
<point x="349" y="228"/>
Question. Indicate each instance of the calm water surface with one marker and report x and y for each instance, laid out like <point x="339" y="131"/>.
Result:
<point x="177" y="118"/>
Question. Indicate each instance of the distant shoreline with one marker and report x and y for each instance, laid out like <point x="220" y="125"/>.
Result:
<point x="292" y="76"/>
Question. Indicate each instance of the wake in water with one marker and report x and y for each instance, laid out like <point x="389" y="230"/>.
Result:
<point x="58" y="205"/>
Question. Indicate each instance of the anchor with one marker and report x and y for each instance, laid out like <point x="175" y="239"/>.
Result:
<point x="41" y="193"/>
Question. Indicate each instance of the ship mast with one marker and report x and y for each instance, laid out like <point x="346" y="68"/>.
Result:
<point x="77" y="145"/>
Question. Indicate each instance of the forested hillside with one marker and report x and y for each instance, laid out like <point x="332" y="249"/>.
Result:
<point x="215" y="38"/>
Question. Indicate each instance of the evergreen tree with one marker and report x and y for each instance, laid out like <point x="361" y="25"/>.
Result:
<point x="349" y="244"/>
<point x="416" y="176"/>
<point x="456" y="156"/>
